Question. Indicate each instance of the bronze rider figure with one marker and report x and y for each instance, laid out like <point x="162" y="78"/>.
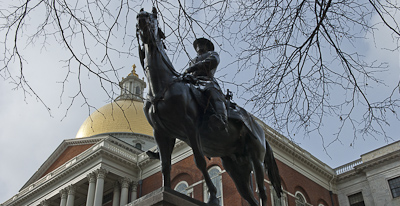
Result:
<point x="203" y="68"/>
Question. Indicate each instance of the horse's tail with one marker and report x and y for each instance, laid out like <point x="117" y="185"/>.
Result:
<point x="273" y="171"/>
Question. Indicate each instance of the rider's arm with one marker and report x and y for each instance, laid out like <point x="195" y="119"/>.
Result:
<point x="209" y="63"/>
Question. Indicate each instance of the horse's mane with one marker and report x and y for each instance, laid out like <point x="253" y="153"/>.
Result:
<point x="164" y="56"/>
<point x="159" y="43"/>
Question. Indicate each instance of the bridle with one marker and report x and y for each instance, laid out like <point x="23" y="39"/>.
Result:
<point x="157" y="41"/>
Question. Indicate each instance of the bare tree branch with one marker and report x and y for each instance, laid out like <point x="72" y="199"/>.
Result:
<point x="302" y="55"/>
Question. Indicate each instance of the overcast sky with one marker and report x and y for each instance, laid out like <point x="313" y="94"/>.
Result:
<point x="29" y="133"/>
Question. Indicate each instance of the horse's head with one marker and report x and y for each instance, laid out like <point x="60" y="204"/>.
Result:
<point x="147" y="27"/>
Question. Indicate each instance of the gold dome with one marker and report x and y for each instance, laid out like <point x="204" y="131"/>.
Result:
<point x="119" y="116"/>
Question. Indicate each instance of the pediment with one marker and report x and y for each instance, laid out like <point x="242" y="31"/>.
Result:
<point x="67" y="150"/>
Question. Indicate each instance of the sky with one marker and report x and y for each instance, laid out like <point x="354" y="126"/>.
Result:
<point x="29" y="133"/>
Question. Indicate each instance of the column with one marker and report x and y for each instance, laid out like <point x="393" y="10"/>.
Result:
<point x="92" y="186"/>
<point x="71" y="195"/>
<point x="134" y="191"/>
<point x="63" y="194"/>
<point x="116" y="194"/>
<point x="98" y="195"/>
<point x="124" y="191"/>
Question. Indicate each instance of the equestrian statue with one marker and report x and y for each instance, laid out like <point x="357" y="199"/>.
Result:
<point x="192" y="108"/>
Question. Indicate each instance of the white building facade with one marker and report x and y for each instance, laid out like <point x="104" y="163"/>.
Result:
<point x="374" y="179"/>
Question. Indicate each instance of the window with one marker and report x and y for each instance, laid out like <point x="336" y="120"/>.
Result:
<point x="137" y="90"/>
<point x="300" y="199"/>
<point x="356" y="200"/>
<point x="183" y="188"/>
<point x="138" y="146"/>
<point x="215" y="175"/>
<point x="394" y="185"/>
<point x="278" y="201"/>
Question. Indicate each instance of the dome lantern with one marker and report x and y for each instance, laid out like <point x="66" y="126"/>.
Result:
<point x="132" y="87"/>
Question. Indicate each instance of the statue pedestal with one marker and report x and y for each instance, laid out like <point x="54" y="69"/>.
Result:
<point x="166" y="197"/>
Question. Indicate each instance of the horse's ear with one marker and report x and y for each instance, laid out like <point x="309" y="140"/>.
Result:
<point x="161" y="33"/>
<point x="141" y="10"/>
<point x="155" y="11"/>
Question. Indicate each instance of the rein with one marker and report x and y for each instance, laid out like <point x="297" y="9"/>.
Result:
<point x="159" y="96"/>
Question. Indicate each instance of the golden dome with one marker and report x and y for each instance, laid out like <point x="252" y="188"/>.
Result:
<point x="119" y="116"/>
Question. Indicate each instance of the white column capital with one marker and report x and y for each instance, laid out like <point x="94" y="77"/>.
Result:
<point x="71" y="189"/>
<point x="125" y="182"/>
<point x="101" y="173"/>
<point x="91" y="177"/>
<point x="98" y="197"/>
<point x="91" y="189"/>
<point x="134" y="185"/>
<point x="71" y="195"/>
<point x="64" y="193"/>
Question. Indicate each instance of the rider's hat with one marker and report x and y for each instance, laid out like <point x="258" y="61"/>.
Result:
<point x="204" y="41"/>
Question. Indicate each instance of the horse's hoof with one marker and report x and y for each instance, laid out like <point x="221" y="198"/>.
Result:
<point x="213" y="202"/>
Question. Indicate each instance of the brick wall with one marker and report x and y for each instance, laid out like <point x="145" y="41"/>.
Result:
<point x="292" y="181"/>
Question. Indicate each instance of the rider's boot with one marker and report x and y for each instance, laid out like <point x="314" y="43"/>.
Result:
<point x="219" y="120"/>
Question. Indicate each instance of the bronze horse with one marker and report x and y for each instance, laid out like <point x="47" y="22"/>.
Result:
<point x="173" y="112"/>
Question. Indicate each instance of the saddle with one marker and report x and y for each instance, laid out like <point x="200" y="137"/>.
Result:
<point x="235" y="113"/>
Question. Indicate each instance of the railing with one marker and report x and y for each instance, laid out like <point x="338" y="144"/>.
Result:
<point x="347" y="167"/>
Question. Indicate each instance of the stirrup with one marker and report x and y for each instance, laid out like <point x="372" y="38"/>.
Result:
<point x="217" y="122"/>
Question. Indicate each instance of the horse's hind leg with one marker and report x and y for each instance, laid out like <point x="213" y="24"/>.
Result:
<point x="240" y="174"/>
<point x="165" y="145"/>
<point x="257" y="154"/>
<point x="259" y="174"/>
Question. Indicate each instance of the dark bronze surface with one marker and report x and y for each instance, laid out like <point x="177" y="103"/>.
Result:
<point x="176" y="109"/>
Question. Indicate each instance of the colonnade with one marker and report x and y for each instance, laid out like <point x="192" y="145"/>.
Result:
<point x="96" y="191"/>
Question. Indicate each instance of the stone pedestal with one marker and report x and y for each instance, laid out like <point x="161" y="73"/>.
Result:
<point x="166" y="197"/>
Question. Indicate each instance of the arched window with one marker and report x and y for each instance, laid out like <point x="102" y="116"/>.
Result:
<point x="183" y="188"/>
<point x="300" y="199"/>
<point x="138" y="146"/>
<point x="137" y="92"/>
<point x="216" y="178"/>
<point x="322" y="202"/>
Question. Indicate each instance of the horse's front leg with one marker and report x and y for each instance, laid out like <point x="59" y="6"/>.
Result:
<point x="165" y="145"/>
<point x="194" y="139"/>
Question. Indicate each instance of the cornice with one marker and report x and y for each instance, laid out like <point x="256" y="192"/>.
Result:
<point x="101" y="149"/>
<point x="361" y="168"/>
<point x="50" y="179"/>
<point x="56" y="154"/>
<point x="347" y="174"/>
<point x="281" y="142"/>
<point x="379" y="160"/>
<point x="136" y="135"/>
<point x="123" y="144"/>
<point x="143" y="159"/>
